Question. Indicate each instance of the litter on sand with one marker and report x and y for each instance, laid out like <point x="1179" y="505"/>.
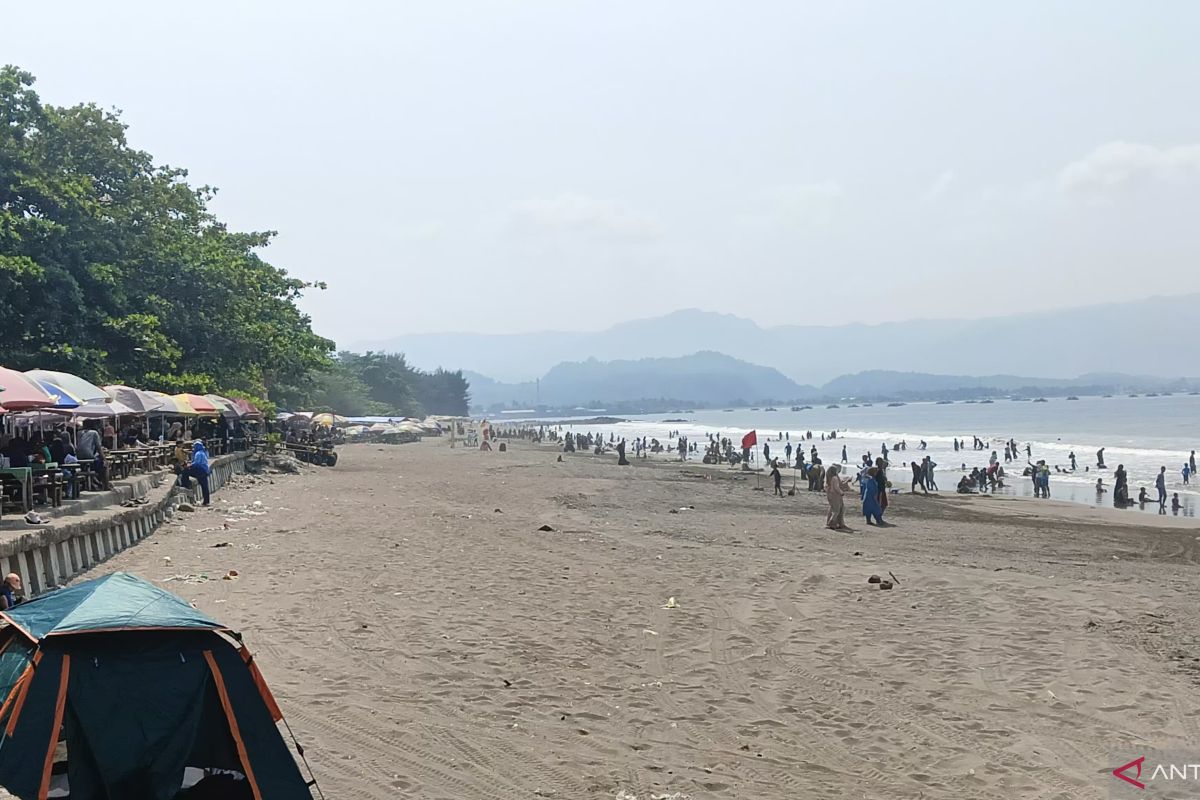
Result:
<point x="671" y="603"/>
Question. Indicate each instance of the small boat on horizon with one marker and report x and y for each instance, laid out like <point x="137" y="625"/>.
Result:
<point x="770" y="409"/>
<point x="947" y="402"/>
<point x="985" y="402"/>
<point x="1041" y="400"/>
<point x="1072" y="397"/>
<point x="895" y="405"/>
<point x="833" y="405"/>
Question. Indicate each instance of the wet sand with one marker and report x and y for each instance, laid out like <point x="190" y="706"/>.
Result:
<point x="423" y="644"/>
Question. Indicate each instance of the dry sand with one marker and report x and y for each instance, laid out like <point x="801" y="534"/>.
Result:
<point x="423" y="644"/>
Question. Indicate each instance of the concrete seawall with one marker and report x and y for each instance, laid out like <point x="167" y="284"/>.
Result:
<point x="83" y="535"/>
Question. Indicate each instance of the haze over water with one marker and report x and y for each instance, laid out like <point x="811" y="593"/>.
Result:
<point x="1143" y="433"/>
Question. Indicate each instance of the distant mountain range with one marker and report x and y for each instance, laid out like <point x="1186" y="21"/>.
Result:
<point x="707" y="379"/>
<point x="700" y="379"/>
<point x="1157" y="337"/>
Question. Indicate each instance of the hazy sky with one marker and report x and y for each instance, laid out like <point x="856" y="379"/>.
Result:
<point x="519" y="166"/>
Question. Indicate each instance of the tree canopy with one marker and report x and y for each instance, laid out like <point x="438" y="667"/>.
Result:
<point x="112" y="267"/>
<point x="384" y="384"/>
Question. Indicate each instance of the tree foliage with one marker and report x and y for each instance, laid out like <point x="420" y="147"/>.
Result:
<point x="113" y="268"/>
<point x="383" y="384"/>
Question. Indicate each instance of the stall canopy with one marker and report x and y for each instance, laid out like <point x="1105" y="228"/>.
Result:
<point x="19" y="392"/>
<point x="137" y="400"/>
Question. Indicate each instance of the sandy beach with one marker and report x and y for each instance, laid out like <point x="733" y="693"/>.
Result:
<point x="425" y="639"/>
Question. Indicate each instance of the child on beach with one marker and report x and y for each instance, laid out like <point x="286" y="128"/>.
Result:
<point x="778" y="478"/>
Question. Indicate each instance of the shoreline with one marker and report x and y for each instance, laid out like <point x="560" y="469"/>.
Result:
<point x="993" y="504"/>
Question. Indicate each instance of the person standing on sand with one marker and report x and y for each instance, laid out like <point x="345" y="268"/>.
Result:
<point x="927" y="466"/>
<point x="835" y="491"/>
<point x="766" y="452"/>
<point x="918" y="478"/>
<point x="778" y="478"/>
<point x="621" y="460"/>
<point x="787" y="452"/>
<point x="1160" y="483"/>
<point x="870" y="502"/>
<point x="881" y="482"/>
<point x="1121" y="487"/>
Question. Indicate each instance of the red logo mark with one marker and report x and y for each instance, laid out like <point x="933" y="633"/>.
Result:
<point x="1120" y="772"/>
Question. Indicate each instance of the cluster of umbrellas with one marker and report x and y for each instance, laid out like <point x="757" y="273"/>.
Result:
<point x="46" y="390"/>
<point x="404" y="426"/>
<point x="359" y="426"/>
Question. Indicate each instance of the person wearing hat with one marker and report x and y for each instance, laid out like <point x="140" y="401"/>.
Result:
<point x="198" y="469"/>
<point x="8" y="591"/>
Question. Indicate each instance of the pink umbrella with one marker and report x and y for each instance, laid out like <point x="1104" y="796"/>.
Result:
<point x="21" y="392"/>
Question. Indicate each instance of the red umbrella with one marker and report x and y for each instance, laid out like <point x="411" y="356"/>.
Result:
<point x="20" y="392"/>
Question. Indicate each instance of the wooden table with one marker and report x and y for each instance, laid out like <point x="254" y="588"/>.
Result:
<point x="22" y="477"/>
<point x="48" y="480"/>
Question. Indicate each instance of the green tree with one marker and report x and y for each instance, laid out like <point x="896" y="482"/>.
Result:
<point x="113" y="267"/>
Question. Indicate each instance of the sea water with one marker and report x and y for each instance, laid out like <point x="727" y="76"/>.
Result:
<point x="1142" y="433"/>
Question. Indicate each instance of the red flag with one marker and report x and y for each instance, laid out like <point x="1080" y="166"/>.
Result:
<point x="749" y="440"/>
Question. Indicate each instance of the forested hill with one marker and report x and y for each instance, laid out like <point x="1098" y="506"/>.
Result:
<point x="112" y="267"/>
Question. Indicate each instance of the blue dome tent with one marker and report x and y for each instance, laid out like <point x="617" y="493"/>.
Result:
<point x="115" y="689"/>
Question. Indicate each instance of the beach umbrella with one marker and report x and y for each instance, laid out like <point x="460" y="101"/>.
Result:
<point x="97" y="410"/>
<point x="22" y="392"/>
<point x="330" y="420"/>
<point x="194" y="404"/>
<point x="135" y="399"/>
<point x="62" y="398"/>
<point x="245" y="409"/>
<point x="73" y="385"/>
<point x="223" y="405"/>
<point x="167" y="405"/>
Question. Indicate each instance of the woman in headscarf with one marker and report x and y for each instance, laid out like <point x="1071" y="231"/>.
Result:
<point x="835" y="489"/>
<point x="870" y="498"/>
<point x="881" y="482"/>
